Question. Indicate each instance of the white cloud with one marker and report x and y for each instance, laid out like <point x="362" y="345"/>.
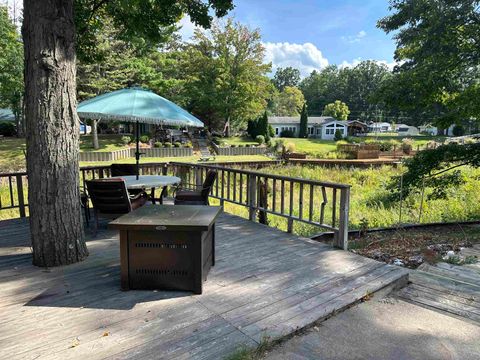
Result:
<point x="355" y="62"/>
<point x="304" y="57"/>
<point x="351" y="39"/>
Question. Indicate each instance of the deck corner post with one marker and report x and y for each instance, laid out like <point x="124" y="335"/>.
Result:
<point x="252" y="196"/>
<point x="341" y="238"/>
<point x="290" y="225"/>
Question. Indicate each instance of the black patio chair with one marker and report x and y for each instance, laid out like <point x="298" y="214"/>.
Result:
<point x="199" y="194"/>
<point x="110" y="199"/>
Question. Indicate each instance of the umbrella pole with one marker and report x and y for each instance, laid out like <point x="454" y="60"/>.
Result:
<point x="137" y="152"/>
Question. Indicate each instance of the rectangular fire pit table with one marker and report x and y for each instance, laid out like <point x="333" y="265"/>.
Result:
<point x="167" y="247"/>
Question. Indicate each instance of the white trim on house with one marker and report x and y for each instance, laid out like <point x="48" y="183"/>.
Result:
<point x="315" y="127"/>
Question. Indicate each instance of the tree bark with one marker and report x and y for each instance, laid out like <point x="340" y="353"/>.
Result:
<point x="95" y="134"/>
<point x="52" y="133"/>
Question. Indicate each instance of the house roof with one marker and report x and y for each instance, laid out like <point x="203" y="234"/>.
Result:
<point x="280" y="120"/>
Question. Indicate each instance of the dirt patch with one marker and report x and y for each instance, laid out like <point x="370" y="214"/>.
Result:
<point x="414" y="246"/>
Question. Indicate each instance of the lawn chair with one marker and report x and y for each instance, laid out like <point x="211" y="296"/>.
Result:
<point x="198" y="196"/>
<point x="110" y="199"/>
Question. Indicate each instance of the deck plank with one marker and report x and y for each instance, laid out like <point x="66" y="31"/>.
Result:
<point x="262" y="277"/>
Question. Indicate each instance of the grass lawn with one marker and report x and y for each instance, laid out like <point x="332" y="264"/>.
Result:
<point x="12" y="157"/>
<point x="105" y="142"/>
<point x="418" y="140"/>
<point x="312" y="147"/>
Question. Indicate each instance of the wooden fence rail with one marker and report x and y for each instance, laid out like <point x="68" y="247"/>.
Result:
<point x="315" y="203"/>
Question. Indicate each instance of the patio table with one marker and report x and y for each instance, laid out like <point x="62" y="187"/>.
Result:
<point x="167" y="247"/>
<point x="151" y="181"/>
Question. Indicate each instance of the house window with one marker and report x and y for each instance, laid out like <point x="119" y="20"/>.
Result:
<point x="276" y="131"/>
<point x="310" y="130"/>
<point x="342" y="131"/>
<point x="319" y="131"/>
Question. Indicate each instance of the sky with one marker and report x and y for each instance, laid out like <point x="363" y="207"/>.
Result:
<point x="311" y="34"/>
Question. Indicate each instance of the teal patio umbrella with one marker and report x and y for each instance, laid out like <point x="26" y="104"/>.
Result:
<point x="136" y="105"/>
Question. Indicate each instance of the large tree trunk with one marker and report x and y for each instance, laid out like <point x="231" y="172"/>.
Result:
<point x="52" y="133"/>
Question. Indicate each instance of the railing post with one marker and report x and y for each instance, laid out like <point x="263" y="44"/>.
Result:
<point x="341" y="237"/>
<point x="290" y="225"/>
<point x="252" y="196"/>
<point x="21" y="201"/>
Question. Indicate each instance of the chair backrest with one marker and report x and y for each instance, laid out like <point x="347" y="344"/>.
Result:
<point x="123" y="169"/>
<point x="208" y="182"/>
<point x="109" y="196"/>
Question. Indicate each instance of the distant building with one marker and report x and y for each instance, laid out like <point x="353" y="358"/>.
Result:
<point x="320" y="127"/>
<point x="7" y="115"/>
<point x="428" y="129"/>
<point x="403" y="129"/>
<point x="379" y="127"/>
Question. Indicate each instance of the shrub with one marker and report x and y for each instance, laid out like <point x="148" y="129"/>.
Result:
<point x="144" y="139"/>
<point x="216" y="140"/>
<point x="290" y="147"/>
<point x="338" y="135"/>
<point x="188" y="145"/>
<point x="167" y="144"/>
<point x="260" y="139"/>
<point x="287" y="134"/>
<point x="158" y="144"/>
<point x="7" y="128"/>
<point x="407" y="145"/>
<point x="271" y="131"/>
<point x="177" y="144"/>
<point x="126" y="140"/>
<point x="271" y="143"/>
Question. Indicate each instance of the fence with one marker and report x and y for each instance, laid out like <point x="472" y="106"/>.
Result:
<point x="232" y="151"/>
<point x="316" y="203"/>
<point x="130" y="153"/>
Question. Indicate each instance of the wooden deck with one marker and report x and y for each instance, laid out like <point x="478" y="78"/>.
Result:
<point x="265" y="282"/>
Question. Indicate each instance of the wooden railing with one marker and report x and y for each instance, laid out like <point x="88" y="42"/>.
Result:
<point x="315" y="203"/>
<point x="295" y="200"/>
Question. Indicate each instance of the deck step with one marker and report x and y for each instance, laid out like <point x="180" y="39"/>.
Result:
<point x="451" y="289"/>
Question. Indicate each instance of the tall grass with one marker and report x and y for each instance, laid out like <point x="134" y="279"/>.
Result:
<point x="368" y="202"/>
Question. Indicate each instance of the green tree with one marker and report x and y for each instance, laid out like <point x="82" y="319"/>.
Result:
<point x="11" y="67"/>
<point x="437" y="46"/>
<point x="338" y="110"/>
<point x="226" y="76"/>
<point x="286" y="77"/>
<point x="304" y="122"/>
<point x="289" y="102"/>
<point x="52" y="126"/>
<point x="357" y="86"/>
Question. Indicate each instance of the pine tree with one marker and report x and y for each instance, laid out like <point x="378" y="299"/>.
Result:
<point x="263" y="126"/>
<point x="304" y="122"/>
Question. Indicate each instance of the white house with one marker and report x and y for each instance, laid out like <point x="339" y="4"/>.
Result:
<point x="403" y="129"/>
<point x="379" y="127"/>
<point x="322" y="127"/>
<point x="428" y="129"/>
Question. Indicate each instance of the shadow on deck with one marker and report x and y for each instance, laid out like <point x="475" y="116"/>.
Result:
<point x="265" y="283"/>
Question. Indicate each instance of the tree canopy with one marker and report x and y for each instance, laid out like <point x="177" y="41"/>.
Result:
<point x="438" y="53"/>
<point x="11" y="64"/>
<point x="288" y="102"/>
<point x="226" y="77"/>
<point x="284" y="77"/>
<point x="357" y="86"/>
<point x="338" y="109"/>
